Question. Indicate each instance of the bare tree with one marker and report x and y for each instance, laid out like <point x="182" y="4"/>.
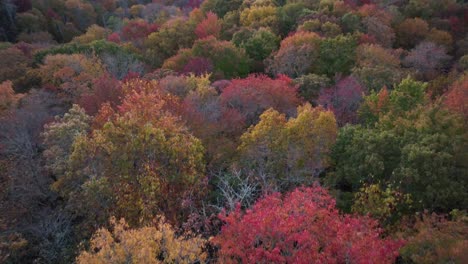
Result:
<point x="236" y="188"/>
<point x="52" y="234"/>
<point x="119" y="65"/>
<point x="25" y="188"/>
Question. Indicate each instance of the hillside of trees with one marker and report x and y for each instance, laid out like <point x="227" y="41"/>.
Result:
<point x="233" y="131"/>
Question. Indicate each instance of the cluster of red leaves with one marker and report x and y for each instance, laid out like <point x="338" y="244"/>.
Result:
<point x="302" y="227"/>
<point x="198" y="66"/>
<point x="343" y="99"/>
<point x="114" y="37"/>
<point x="106" y="89"/>
<point x="137" y="29"/>
<point x="210" y="26"/>
<point x="456" y="98"/>
<point x="366" y="38"/>
<point x="248" y="98"/>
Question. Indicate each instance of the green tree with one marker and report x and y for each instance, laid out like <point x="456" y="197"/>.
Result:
<point x="259" y="44"/>
<point x="406" y="96"/>
<point x="289" y="15"/>
<point x="310" y="86"/>
<point x="420" y="152"/>
<point x="227" y="60"/>
<point x="220" y="7"/>
<point x="337" y="55"/>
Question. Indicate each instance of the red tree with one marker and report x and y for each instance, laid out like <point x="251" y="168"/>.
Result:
<point x="456" y="98"/>
<point x="302" y="227"/>
<point x="198" y="66"/>
<point x="343" y="99"/>
<point x="106" y="89"/>
<point x="250" y="97"/>
<point x="210" y="26"/>
<point x="114" y="37"/>
<point x="136" y="31"/>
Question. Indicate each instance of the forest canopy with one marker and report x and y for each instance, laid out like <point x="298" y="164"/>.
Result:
<point x="233" y="131"/>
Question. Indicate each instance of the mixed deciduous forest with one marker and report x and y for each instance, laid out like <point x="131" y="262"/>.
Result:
<point x="233" y="131"/>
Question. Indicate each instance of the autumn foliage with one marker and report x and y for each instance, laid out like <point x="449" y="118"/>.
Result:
<point x="343" y="99"/>
<point x="143" y="110"/>
<point x="106" y="89"/>
<point x="307" y="228"/>
<point x="227" y="60"/>
<point x="297" y="54"/>
<point x="136" y="31"/>
<point x="150" y="244"/>
<point x="437" y="239"/>
<point x="8" y="98"/>
<point x="457" y="97"/>
<point x="285" y="153"/>
<point x="141" y="157"/>
<point x="210" y="26"/>
<point x="249" y="97"/>
<point x="70" y="75"/>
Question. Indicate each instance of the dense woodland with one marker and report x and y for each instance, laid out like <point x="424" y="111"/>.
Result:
<point x="233" y="131"/>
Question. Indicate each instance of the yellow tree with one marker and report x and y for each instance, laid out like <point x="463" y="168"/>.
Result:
<point x="262" y="148"/>
<point x="260" y="16"/>
<point x="310" y="137"/>
<point x="151" y="244"/>
<point x="93" y="33"/>
<point x="286" y="153"/>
